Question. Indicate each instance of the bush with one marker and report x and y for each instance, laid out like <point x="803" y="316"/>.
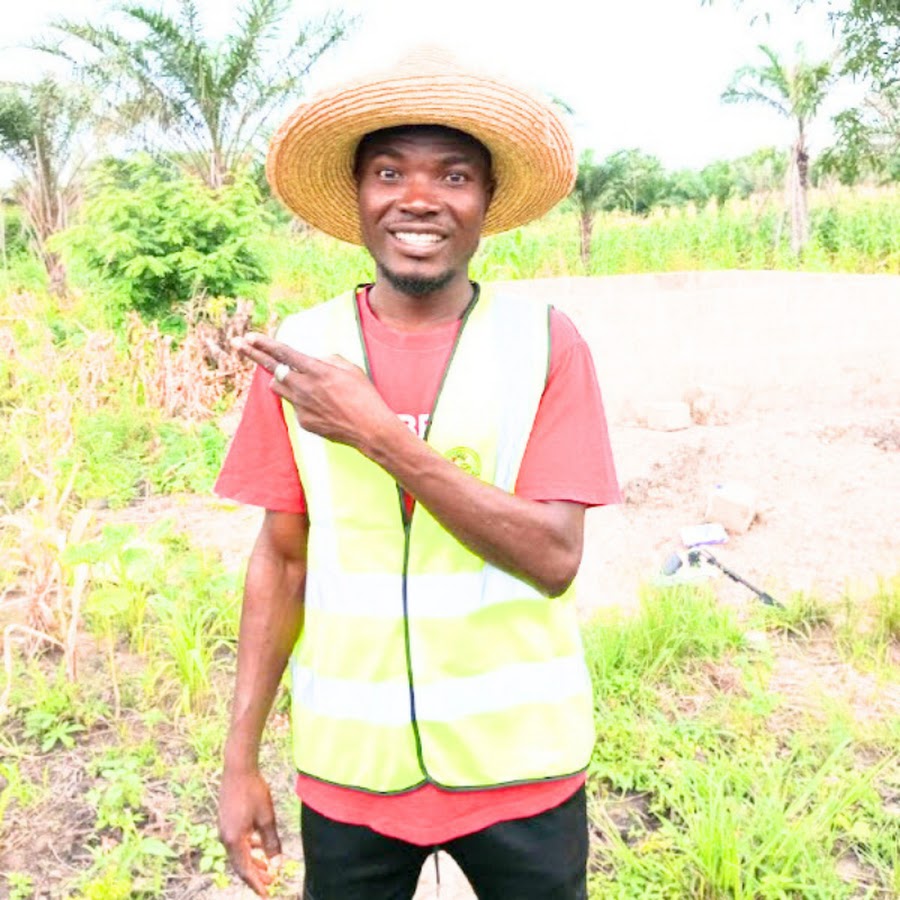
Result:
<point x="13" y="233"/>
<point x="166" y="238"/>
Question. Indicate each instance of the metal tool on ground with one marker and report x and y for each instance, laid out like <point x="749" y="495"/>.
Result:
<point x="694" y="557"/>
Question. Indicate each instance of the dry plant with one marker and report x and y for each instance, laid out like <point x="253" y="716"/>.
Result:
<point x="53" y="608"/>
<point x="189" y="380"/>
<point x="51" y="604"/>
<point x="99" y="361"/>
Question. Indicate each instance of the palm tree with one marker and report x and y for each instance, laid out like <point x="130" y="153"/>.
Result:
<point x="795" y="92"/>
<point x="40" y="128"/>
<point x="589" y="195"/>
<point x="211" y="99"/>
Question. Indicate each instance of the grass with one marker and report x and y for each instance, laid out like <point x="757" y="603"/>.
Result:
<point x="724" y="804"/>
<point x="700" y="787"/>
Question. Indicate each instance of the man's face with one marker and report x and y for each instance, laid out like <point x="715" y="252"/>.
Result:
<point x="423" y="193"/>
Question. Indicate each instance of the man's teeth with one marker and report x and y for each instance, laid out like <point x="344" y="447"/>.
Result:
<point x="415" y="237"/>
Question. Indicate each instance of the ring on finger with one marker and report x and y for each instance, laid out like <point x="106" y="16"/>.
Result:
<point x="280" y="372"/>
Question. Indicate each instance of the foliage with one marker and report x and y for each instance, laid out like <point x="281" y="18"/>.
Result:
<point x="213" y="100"/>
<point x="868" y="136"/>
<point x="165" y="237"/>
<point x="138" y="588"/>
<point x="697" y="795"/>
<point x="794" y="91"/>
<point x="13" y="232"/>
<point x="637" y="181"/>
<point x="590" y="193"/>
<point x="867" y="140"/>
<point x="870" y="30"/>
<point x="41" y="126"/>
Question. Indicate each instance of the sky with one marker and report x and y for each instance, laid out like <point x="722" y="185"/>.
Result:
<point x="637" y="73"/>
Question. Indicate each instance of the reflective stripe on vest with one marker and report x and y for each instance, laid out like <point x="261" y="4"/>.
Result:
<point x="419" y="661"/>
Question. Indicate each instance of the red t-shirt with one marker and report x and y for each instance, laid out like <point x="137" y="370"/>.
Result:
<point x="567" y="457"/>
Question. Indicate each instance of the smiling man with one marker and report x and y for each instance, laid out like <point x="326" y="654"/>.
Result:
<point x="424" y="452"/>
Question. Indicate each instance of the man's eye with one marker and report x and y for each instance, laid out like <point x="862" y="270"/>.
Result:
<point x="388" y="174"/>
<point x="457" y="178"/>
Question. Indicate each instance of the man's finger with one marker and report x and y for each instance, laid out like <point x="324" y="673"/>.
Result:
<point x="279" y="352"/>
<point x="248" y="351"/>
<point x="247" y="870"/>
<point x="340" y="363"/>
<point x="271" y="843"/>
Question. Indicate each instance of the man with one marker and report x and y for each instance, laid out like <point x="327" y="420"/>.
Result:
<point x="425" y="452"/>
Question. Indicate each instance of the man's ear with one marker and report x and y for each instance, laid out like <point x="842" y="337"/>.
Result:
<point x="491" y="185"/>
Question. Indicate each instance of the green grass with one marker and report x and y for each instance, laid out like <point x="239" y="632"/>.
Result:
<point x="724" y="804"/>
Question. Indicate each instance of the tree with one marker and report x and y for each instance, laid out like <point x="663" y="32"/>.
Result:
<point x="687" y="186"/>
<point x="870" y="35"/>
<point x="719" y="179"/>
<point x="637" y="181"/>
<point x="212" y="100"/>
<point x="795" y="92"/>
<point x="868" y="136"/>
<point x="40" y="128"/>
<point x="590" y="194"/>
<point x="760" y="172"/>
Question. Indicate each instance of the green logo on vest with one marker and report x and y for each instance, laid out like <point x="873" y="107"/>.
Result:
<point x="466" y="458"/>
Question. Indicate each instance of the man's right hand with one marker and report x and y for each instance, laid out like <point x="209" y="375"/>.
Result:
<point x="247" y="828"/>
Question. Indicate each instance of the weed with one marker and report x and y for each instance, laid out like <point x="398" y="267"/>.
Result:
<point x="868" y="633"/>
<point x="53" y="716"/>
<point x="118" y="795"/>
<point x="887" y="610"/>
<point x="202" y="842"/>
<point x="800" y="616"/>
<point x="16" y="788"/>
<point x="675" y="624"/>
<point x="21" y="885"/>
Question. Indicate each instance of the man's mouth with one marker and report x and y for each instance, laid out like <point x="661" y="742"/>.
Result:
<point x="417" y="238"/>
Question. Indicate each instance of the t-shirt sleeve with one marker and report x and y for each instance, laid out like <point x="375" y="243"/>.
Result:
<point x="568" y="455"/>
<point x="259" y="468"/>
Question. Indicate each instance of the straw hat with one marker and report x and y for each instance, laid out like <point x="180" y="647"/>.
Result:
<point x="310" y="161"/>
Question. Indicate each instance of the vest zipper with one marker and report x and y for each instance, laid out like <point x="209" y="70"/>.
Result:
<point x="406" y="516"/>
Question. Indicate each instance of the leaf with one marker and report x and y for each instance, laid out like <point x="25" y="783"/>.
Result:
<point x="152" y="846"/>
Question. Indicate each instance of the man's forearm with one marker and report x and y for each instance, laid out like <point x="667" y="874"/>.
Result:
<point x="271" y="620"/>
<point x="539" y="542"/>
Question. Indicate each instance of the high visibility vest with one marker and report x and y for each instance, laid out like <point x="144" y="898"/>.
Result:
<point x="418" y="661"/>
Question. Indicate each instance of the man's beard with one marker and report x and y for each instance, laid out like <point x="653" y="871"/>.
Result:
<point x="415" y="285"/>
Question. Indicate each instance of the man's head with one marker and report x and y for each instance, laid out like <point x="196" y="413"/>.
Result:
<point x="312" y="162"/>
<point x="423" y="193"/>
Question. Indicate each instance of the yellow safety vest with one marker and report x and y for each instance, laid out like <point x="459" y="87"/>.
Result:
<point x="418" y="661"/>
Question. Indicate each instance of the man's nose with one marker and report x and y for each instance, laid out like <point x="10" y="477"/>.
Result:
<point x="419" y="195"/>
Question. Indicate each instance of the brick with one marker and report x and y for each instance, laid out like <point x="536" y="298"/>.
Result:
<point x="733" y="505"/>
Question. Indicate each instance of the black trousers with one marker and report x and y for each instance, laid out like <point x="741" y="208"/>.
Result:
<point x="542" y="857"/>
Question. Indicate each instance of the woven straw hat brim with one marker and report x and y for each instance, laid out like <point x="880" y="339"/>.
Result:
<point x="310" y="161"/>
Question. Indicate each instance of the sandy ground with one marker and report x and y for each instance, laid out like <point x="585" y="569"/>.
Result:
<point x="796" y="380"/>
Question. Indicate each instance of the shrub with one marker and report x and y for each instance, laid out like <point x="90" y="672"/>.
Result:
<point x="165" y="237"/>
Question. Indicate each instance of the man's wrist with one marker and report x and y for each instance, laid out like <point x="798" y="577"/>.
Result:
<point x="241" y="757"/>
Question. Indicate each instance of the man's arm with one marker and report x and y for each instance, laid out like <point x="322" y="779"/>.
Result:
<point x="271" y="620"/>
<point x="540" y="542"/>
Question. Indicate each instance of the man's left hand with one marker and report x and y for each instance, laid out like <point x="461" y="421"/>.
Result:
<point x="332" y="397"/>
